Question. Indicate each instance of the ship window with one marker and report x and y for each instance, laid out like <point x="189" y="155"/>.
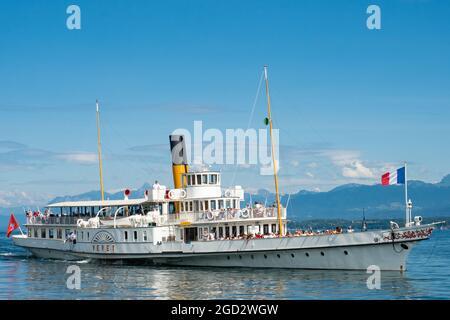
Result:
<point x="196" y="206"/>
<point x="59" y="233"/>
<point x="135" y="235"/>
<point x="266" y="229"/>
<point x="193" y="180"/>
<point x="182" y="206"/>
<point x="29" y="233"/>
<point x="190" y="206"/>
<point x="228" y="203"/>
<point x="82" y="235"/>
<point x="144" y="235"/>
<point x="213" y="179"/>
<point x="35" y="231"/>
<point x="274" y="228"/>
<point x="189" y="180"/>
<point x="205" y="179"/>
<point x="43" y="233"/>
<point x="199" y="179"/>
<point x="220" y="232"/>
<point x="51" y="234"/>
<point x="234" y="231"/>
<point x="220" y="204"/>
<point x="201" y="205"/>
<point x="241" y="230"/>
<point x="88" y="236"/>
<point x="227" y="232"/>
<point x="213" y="204"/>
<point x="206" y="205"/>
<point x="235" y="204"/>
<point x="125" y="234"/>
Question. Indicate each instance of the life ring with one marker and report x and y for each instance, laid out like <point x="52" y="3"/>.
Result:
<point x="209" y="215"/>
<point x="80" y="223"/>
<point x="245" y="213"/>
<point x="172" y="194"/>
<point x="227" y="193"/>
<point x="259" y="212"/>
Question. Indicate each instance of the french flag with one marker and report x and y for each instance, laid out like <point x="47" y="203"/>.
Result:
<point x="397" y="177"/>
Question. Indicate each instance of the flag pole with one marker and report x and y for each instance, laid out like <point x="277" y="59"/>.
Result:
<point x="407" y="221"/>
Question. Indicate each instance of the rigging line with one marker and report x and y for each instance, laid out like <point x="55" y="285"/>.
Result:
<point x="255" y="101"/>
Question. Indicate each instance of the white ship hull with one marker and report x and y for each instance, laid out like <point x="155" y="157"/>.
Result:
<point x="350" y="251"/>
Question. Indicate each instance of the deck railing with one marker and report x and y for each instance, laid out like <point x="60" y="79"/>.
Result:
<point x="54" y="220"/>
<point x="225" y="215"/>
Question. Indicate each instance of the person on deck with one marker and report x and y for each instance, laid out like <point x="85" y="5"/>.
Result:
<point x="156" y="185"/>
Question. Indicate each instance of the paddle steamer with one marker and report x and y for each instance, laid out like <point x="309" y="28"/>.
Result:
<point x="199" y="223"/>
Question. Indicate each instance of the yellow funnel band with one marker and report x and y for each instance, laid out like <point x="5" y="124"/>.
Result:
<point x="177" y="171"/>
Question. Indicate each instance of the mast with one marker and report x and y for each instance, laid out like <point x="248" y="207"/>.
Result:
<point x="269" y="115"/>
<point x="99" y="147"/>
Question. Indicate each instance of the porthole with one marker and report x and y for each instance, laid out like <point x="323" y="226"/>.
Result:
<point x="228" y="257"/>
<point x="322" y="253"/>
<point x="252" y="256"/>
<point x="307" y="254"/>
<point x="240" y="257"/>
<point x="404" y="246"/>
<point x="265" y="256"/>
<point x="278" y="256"/>
<point x="346" y="252"/>
<point x="292" y="255"/>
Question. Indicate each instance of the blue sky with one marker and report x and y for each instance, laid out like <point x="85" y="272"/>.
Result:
<point x="350" y="102"/>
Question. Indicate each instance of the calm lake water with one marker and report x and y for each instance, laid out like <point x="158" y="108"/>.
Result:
<point x="24" y="277"/>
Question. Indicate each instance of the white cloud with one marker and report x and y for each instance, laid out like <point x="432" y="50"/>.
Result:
<point x="79" y="157"/>
<point x="15" y="198"/>
<point x="350" y="164"/>
<point x="312" y="165"/>
<point x="295" y="163"/>
<point x="357" y="170"/>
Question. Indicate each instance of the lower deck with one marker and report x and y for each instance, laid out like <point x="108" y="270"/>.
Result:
<point x="346" y="250"/>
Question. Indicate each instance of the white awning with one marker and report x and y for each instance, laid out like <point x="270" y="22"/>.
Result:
<point x="99" y="203"/>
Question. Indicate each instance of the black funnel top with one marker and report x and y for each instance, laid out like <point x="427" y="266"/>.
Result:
<point x="178" y="149"/>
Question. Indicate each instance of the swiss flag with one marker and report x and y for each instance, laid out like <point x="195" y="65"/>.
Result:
<point x="12" y="225"/>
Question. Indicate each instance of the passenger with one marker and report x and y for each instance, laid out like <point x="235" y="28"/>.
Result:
<point x="156" y="185"/>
